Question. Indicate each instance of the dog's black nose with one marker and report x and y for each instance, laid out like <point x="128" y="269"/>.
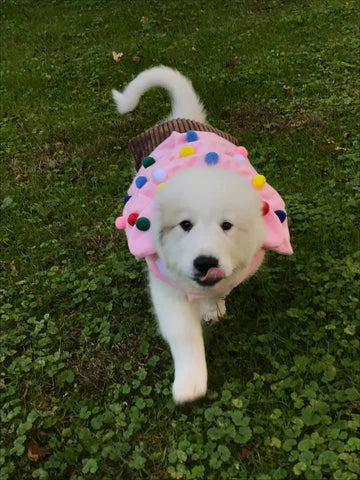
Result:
<point x="203" y="263"/>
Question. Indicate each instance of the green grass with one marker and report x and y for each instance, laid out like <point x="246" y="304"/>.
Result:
<point x="84" y="370"/>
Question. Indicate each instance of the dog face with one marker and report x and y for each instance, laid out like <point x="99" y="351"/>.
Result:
<point x="207" y="225"/>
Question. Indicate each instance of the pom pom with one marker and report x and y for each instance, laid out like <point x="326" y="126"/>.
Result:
<point x="126" y="199"/>
<point x="265" y="208"/>
<point x="160" y="186"/>
<point x="281" y="214"/>
<point x="258" y="181"/>
<point x="239" y="157"/>
<point x="211" y="158"/>
<point x="186" y="151"/>
<point x="159" y="175"/>
<point x="191" y="136"/>
<point x="120" y="223"/>
<point x="143" y="224"/>
<point x="140" y="181"/>
<point x="132" y="218"/>
<point x="241" y="151"/>
<point x="148" y="161"/>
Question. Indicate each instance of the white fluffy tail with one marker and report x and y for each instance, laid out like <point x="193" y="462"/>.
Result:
<point x="184" y="101"/>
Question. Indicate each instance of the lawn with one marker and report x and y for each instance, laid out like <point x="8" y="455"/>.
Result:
<point x="85" y="381"/>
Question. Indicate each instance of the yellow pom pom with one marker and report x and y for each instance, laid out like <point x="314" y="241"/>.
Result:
<point x="160" y="186"/>
<point x="258" y="181"/>
<point x="187" y="150"/>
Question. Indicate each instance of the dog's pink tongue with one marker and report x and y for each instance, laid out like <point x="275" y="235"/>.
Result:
<point x="213" y="273"/>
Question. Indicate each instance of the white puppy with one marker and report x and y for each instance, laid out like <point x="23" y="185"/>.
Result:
<point x="207" y="227"/>
<point x="218" y="228"/>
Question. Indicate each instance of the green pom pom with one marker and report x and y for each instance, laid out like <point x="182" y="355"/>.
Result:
<point x="148" y="161"/>
<point x="143" y="223"/>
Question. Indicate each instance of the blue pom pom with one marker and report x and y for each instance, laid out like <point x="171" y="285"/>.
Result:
<point x="191" y="136"/>
<point x="126" y="199"/>
<point x="281" y="214"/>
<point x="211" y="158"/>
<point x="140" y="181"/>
<point x="158" y="175"/>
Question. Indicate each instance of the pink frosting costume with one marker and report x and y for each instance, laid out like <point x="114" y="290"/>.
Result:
<point x="185" y="150"/>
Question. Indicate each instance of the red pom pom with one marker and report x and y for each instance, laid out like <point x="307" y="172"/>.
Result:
<point x="265" y="208"/>
<point x="132" y="218"/>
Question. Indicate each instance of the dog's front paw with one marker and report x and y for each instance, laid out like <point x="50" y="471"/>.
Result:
<point x="190" y="387"/>
<point x="212" y="312"/>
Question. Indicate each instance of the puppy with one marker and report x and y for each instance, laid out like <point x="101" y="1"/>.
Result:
<point x="200" y="215"/>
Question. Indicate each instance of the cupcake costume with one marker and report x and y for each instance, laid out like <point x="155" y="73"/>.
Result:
<point x="162" y="151"/>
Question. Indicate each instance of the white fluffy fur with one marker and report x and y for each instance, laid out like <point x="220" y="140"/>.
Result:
<point x="216" y="196"/>
<point x="185" y="102"/>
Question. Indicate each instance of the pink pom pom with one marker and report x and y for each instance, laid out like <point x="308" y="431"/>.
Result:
<point x="120" y="223"/>
<point x="241" y="151"/>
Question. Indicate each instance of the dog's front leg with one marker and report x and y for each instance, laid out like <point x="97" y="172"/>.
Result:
<point x="180" y="325"/>
<point x="212" y="309"/>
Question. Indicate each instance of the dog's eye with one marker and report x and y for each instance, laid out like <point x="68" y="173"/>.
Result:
<point x="186" y="225"/>
<point x="226" y="226"/>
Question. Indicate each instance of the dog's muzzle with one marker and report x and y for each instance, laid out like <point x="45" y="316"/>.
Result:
<point x="208" y="272"/>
